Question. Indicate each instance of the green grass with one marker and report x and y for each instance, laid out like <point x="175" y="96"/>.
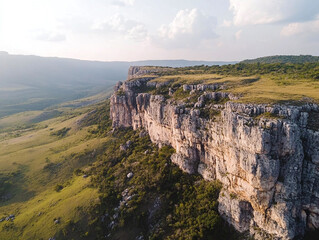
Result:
<point x="253" y="83"/>
<point x="41" y="157"/>
<point x="268" y="115"/>
<point x="268" y="90"/>
<point x="253" y="89"/>
<point x="35" y="218"/>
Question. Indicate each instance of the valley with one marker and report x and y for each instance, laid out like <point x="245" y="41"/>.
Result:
<point x="174" y="153"/>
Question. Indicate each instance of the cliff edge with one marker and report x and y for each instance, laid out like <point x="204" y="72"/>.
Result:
<point x="266" y="156"/>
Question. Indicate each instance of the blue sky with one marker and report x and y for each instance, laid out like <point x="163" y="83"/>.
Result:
<point x="159" y="29"/>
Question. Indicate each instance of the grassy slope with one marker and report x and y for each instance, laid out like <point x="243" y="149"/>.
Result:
<point x="35" y="218"/>
<point x="39" y="161"/>
<point x="27" y="119"/>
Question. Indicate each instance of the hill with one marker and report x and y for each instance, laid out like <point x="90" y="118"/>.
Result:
<point x="284" y="59"/>
<point x="30" y="83"/>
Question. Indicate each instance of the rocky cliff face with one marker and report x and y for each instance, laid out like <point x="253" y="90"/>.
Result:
<point x="267" y="157"/>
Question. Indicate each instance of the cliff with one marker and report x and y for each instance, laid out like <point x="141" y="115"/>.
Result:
<point x="266" y="156"/>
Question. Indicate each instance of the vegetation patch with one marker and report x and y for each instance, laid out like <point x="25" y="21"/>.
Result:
<point x="268" y="115"/>
<point x="158" y="201"/>
<point x="209" y="113"/>
<point x="255" y="82"/>
<point x="180" y="94"/>
<point x="6" y="184"/>
<point x="61" y="133"/>
<point x="58" y="187"/>
<point x="120" y="92"/>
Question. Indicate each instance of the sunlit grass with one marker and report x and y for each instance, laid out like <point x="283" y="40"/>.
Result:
<point x="255" y="89"/>
<point x="34" y="200"/>
<point x="35" y="218"/>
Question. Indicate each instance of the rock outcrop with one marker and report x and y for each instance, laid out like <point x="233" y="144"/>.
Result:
<point x="136" y="72"/>
<point x="267" y="157"/>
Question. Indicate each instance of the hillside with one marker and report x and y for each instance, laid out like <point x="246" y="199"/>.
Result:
<point x="38" y="183"/>
<point x="284" y="59"/>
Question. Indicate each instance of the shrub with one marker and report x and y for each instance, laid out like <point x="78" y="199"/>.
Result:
<point x="58" y="187"/>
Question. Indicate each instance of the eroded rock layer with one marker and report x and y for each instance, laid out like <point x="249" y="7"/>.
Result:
<point x="267" y="157"/>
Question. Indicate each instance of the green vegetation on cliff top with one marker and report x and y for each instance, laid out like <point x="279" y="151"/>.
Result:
<point x="256" y="82"/>
<point x="284" y="59"/>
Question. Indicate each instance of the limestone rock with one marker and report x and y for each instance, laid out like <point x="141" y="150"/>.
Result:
<point x="129" y="175"/>
<point x="269" y="166"/>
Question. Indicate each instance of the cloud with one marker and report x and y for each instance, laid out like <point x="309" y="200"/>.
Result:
<point x="138" y="33"/>
<point x="50" y="36"/>
<point x="306" y="29"/>
<point x="123" y="3"/>
<point x="251" y="12"/>
<point x="227" y="23"/>
<point x="77" y="24"/>
<point x="188" y="28"/>
<point x="118" y="24"/>
<point x="238" y="34"/>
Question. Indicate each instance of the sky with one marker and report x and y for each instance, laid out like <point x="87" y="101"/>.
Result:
<point x="128" y="30"/>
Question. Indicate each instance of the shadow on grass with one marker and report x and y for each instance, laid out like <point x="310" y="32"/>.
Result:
<point x="13" y="187"/>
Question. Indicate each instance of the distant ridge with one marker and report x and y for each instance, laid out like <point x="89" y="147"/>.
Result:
<point x="180" y="63"/>
<point x="284" y="59"/>
<point x="29" y="83"/>
<point x="35" y="70"/>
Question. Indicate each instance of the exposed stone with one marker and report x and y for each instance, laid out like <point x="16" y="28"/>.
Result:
<point x="112" y="225"/>
<point x="268" y="166"/>
<point x="124" y="147"/>
<point x="200" y="87"/>
<point x="11" y="217"/>
<point x="129" y="175"/>
<point x="170" y="92"/>
<point x="136" y="72"/>
<point x="143" y="134"/>
<point x="117" y="86"/>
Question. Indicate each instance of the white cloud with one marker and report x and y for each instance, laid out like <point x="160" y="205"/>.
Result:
<point x="238" y="34"/>
<point x="255" y="12"/>
<point x="227" y="23"/>
<point x="50" y="36"/>
<point x="249" y="12"/>
<point x="123" y="3"/>
<point x="118" y="24"/>
<point x="189" y="27"/>
<point x="138" y="33"/>
<point x="308" y="29"/>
